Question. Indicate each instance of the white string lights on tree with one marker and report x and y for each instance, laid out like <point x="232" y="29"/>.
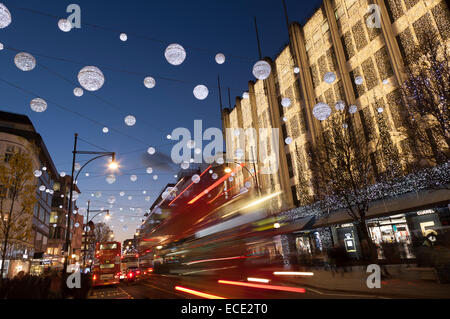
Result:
<point x="64" y="25"/>
<point x="321" y="111"/>
<point x="1" y="46"/>
<point x="155" y="177"/>
<point x="5" y="16"/>
<point x="111" y="199"/>
<point x="175" y="54"/>
<point x="25" y="61"/>
<point x="122" y="194"/>
<point x="201" y="92"/>
<point x="329" y="77"/>
<point x="214" y="176"/>
<point x="220" y="58"/>
<point x="185" y="165"/>
<point x="77" y="166"/>
<point x="78" y="92"/>
<point x="91" y="78"/>
<point x="261" y="70"/>
<point x="38" y="105"/>
<point x="130" y="120"/>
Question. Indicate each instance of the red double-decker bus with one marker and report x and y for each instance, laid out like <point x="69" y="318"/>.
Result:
<point x="106" y="264"/>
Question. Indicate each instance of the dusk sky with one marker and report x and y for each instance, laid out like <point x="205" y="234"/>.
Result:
<point x="204" y="28"/>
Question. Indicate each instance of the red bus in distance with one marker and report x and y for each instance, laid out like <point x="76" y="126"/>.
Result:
<point x="106" y="264"/>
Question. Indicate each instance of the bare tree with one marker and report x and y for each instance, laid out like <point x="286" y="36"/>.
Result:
<point x="17" y="199"/>
<point x="101" y="232"/>
<point x="425" y="99"/>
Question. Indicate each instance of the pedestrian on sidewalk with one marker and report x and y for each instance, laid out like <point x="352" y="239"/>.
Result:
<point x="441" y="258"/>
<point x="55" y="289"/>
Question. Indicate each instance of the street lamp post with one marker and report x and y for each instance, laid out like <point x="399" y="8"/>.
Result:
<point x="85" y="229"/>
<point x="113" y="165"/>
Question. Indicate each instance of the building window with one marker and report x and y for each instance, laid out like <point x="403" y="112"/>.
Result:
<point x="9" y="152"/>
<point x="294" y="196"/>
<point x="394" y="9"/>
<point x="53" y="217"/>
<point x="290" y="166"/>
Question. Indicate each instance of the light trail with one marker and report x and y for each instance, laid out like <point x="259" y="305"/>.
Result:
<point x="270" y="287"/>
<point x="215" y="259"/>
<point x="198" y="293"/>
<point x="266" y="281"/>
<point x="292" y="273"/>
<point x="170" y="204"/>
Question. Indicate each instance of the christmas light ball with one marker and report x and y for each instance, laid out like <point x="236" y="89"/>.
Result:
<point x="42" y="188"/>
<point x="386" y="81"/>
<point x="147" y="198"/>
<point x="220" y="160"/>
<point x="261" y="70"/>
<point x="340" y="105"/>
<point x="198" y="151"/>
<point x="133" y="178"/>
<point x="91" y="78"/>
<point x="110" y="179"/>
<point x="169" y="137"/>
<point x="175" y="54"/>
<point x="155" y="177"/>
<point x="321" y="111"/>
<point x="329" y="77"/>
<point x="111" y="199"/>
<point x="123" y="37"/>
<point x="122" y="194"/>
<point x="231" y="179"/>
<point x="239" y="153"/>
<point x="214" y="176"/>
<point x="78" y="92"/>
<point x="5" y="16"/>
<point x="380" y="110"/>
<point x="245" y="95"/>
<point x="286" y="102"/>
<point x="345" y="125"/>
<point x="285" y="119"/>
<point x="296" y="70"/>
<point x="151" y="150"/>
<point x="105" y="130"/>
<point x="201" y="92"/>
<point x="62" y="174"/>
<point x="248" y="184"/>
<point x="220" y="58"/>
<point x="25" y="61"/>
<point x="149" y="82"/>
<point x="288" y="140"/>
<point x="38" y="105"/>
<point x="130" y="120"/>
<point x="352" y="109"/>
<point x="77" y="166"/>
<point x="77" y="225"/>
<point x="98" y="194"/>
<point x="1" y="46"/>
<point x="64" y="25"/>
<point x="195" y="179"/>
<point x="185" y="165"/>
<point x="149" y="170"/>
<point x="359" y="80"/>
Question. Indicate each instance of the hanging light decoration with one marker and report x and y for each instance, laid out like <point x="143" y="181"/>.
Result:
<point x="175" y="54"/>
<point x="133" y="178"/>
<point x="105" y="130"/>
<point x="214" y="176"/>
<point x="169" y="137"/>
<point x="123" y="37"/>
<point x="220" y="160"/>
<point x="231" y="178"/>
<point x="239" y="153"/>
<point x="201" y="92"/>
<point x="245" y="95"/>
<point x="91" y="78"/>
<point x="288" y="140"/>
<point x="130" y="120"/>
<point x="321" y="111"/>
<point x="42" y="188"/>
<point x="285" y="119"/>
<point x="78" y="92"/>
<point x="345" y="125"/>
<point x="329" y="77"/>
<point x="147" y="198"/>
<point x="62" y="174"/>
<point x="340" y="105"/>
<point x="261" y="70"/>
<point x="1" y="46"/>
<point x="111" y="199"/>
<point x="64" y="25"/>
<point x="25" y="61"/>
<point x="286" y="102"/>
<point x="220" y="58"/>
<point x="155" y="177"/>
<point x="190" y="144"/>
<point x="385" y="81"/>
<point x="198" y="151"/>
<point x="380" y="110"/>
<point x="296" y="70"/>
<point x="77" y="166"/>
<point x="122" y="194"/>
<point x="151" y="150"/>
<point x="352" y="109"/>
<point x="38" y="105"/>
<point x="149" y="82"/>
<point x="98" y="194"/>
<point x="5" y="16"/>
<point x="149" y="170"/>
<point x="195" y="179"/>
<point x="248" y="184"/>
<point x="359" y="80"/>
<point x="110" y="179"/>
<point x="185" y="165"/>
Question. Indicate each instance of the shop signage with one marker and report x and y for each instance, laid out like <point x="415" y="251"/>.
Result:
<point x="346" y="225"/>
<point x="425" y="212"/>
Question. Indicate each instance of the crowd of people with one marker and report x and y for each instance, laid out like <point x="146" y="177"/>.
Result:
<point x="51" y="285"/>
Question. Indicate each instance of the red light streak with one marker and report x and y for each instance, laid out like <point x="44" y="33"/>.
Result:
<point x="271" y="287"/>
<point x="189" y="186"/>
<point x="207" y="190"/>
<point x="198" y="293"/>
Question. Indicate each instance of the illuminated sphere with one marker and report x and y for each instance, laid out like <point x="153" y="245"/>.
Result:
<point x="42" y="188"/>
<point x="220" y="58"/>
<point x="175" y="54"/>
<point x="105" y="130"/>
<point x="231" y="179"/>
<point x="149" y="82"/>
<point x="296" y="70"/>
<point x="77" y="166"/>
<point x="195" y="178"/>
<point x="380" y="110"/>
<point x="190" y="144"/>
<point x="169" y="137"/>
<point x="321" y="111"/>
<point x="147" y="198"/>
<point x="123" y="37"/>
<point x="62" y="174"/>
<point x="198" y="151"/>
<point x="329" y="77"/>
<point x="133" y="178"/>
<point x="340" y="105"/>
<point x="98" y="194"/>
<point x="149" y="170"/>
<point x="75" y="196"/>
<point x="214" y="176"/>
<point x="110" y="179"/>
<point x="122" y="194"/>
<point x="64" y="25"/>
<point x="77" y="225"/>
<point x="261" y="70"/>
<point x="201" y="92"/>
<point x="78" y="92"/>
<point x="220" y="160"/>
<point x="91" y="78"/>
<point x="38" y="105"/>
<point x="286" y="102"/>
<point x="386" y="81"/>
<point x="130" y="120"/>
<point x="111" y="199"/>
<point x="5" y="16"/>
<point x="359" y="80"/>
<point x="151" y="150"/>
<point x="245" y="95"/>
<point x="25" y="61"/>
<point x="248" y="184"/>
<point x="288" y="140"/>
<point x="285" y="119"/>
<point x="155" y="177"/>
<point x="352" y="109"/>
<point x="1" y="46"/>
<point x="185" y="165"/>
<point x="345" y="125"/>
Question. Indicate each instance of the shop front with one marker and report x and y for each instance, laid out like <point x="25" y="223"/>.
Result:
<point x="346" y="236"/>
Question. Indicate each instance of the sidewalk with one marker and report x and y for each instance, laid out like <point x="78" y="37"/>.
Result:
<point x="403" y="283"/>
